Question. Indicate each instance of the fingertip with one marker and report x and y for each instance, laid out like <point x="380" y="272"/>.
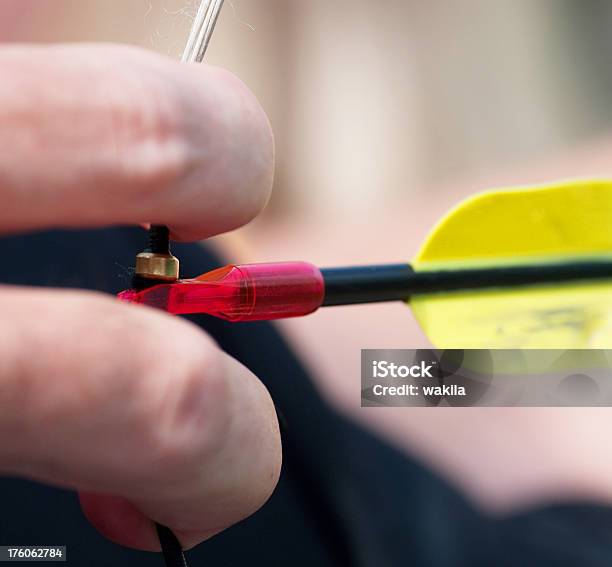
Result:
<point x="233" y="150"/>
<point x="119" y="521"/>
<point x="198" y="156"/>
<point x="229" y="176"/>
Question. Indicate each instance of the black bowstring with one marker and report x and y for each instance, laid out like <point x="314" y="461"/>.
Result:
<point x="159" y="243"/>
<point x="171" y="548"/>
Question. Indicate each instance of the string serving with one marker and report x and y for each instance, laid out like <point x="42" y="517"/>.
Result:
<point x="202" y="30"/>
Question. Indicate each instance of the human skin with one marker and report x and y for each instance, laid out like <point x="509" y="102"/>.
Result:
<point x="109" y="135"/>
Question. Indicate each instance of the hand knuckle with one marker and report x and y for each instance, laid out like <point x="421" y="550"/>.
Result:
<point x="187" y="415"/>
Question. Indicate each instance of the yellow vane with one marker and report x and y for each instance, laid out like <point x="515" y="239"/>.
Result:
<point x="568" y="221"/>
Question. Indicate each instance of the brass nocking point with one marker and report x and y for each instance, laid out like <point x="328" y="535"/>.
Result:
<point x="164" y="267"/>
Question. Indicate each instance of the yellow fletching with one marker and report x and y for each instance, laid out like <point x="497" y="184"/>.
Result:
<point x="568" y="221"/>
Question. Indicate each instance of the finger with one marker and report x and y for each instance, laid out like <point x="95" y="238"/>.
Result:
<point x="124" y="401"/>
<point x="120" y="521"/>
<point x="94" y="135"/>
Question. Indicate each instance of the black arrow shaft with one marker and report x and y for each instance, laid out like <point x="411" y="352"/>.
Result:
<point x="375" y="284"/>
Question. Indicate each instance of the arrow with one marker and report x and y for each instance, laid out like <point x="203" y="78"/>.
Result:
<point x="512" y="268"/>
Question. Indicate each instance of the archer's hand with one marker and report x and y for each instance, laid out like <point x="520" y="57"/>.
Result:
<point x="139" y="411"/>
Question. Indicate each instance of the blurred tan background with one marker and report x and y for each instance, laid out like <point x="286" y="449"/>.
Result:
<point x="373" y="101"/>
<point x="386" y="113"/>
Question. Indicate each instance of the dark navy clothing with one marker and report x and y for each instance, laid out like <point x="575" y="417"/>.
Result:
<point x="345" y="499"/>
